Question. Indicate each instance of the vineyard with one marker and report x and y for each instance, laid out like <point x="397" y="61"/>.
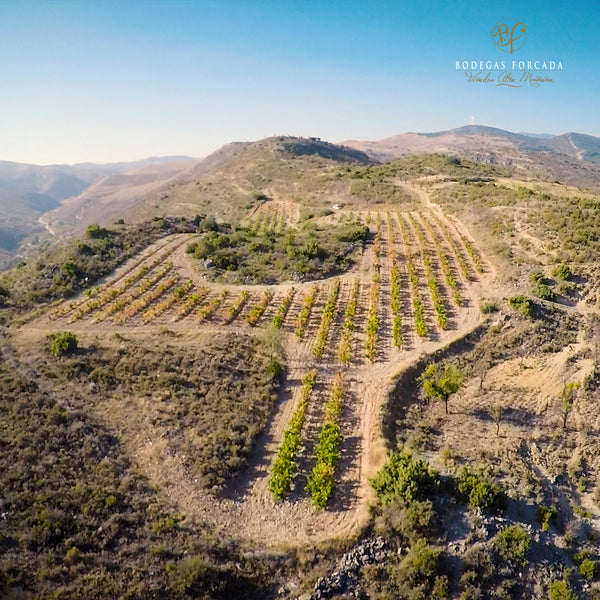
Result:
<point x="416" y="287"/>
<point x="273" y="217"/>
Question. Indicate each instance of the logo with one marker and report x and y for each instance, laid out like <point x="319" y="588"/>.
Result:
<point x="509" y="35"/>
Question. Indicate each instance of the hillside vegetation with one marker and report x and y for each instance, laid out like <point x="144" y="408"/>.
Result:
<point x="305" y="374"/>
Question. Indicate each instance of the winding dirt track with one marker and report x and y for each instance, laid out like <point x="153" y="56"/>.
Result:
<point x="246" y="509"/>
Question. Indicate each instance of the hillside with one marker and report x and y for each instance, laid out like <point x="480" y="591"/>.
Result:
<point x="300" y="372"/>
<point x="279" y="168"/>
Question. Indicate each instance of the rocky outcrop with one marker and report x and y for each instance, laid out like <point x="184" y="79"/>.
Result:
<point x="344" y="578"/>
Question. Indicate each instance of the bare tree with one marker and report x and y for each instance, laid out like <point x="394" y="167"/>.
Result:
<point x="496" y="411"/>
<point x="568" y="398"/>
<point x="483" y="366"/>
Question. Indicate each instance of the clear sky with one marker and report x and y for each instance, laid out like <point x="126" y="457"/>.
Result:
<point x="111" y="80"/>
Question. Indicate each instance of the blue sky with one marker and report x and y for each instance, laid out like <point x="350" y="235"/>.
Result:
<point x="117" y="80"/>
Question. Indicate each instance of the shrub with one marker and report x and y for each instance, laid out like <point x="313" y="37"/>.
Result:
<point x="4" y="295"/>
<point x="71" y="268"/>
<point x="522" y="304"/>
<point x="545" y="515"/>
<point x="354" y="233"/>
<point x="96" y="232"/>
<point x="481" y="493"/>
<point x="274" y="369"/>
<point x="512" y="544"/>
<point x="560" y="590"/>
<point x="193" y="575"/>
<point x="536" y="277"/>
<point x="545" y="292"/>
<point x="422" y="562"/>
<point x="563" y="272"/>
<point x="410" y="520"/>
<point x="488" y="307"/>
<point x="403" y="477"/>
<point x="588" y="568"/>
<point x="63" y="343"/>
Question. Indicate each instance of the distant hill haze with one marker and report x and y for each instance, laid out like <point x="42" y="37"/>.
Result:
<point x="478" y="137"/>
<point x="29" y="193"/>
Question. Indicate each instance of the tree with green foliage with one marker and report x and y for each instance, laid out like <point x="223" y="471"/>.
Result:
<point x="439" y="382"/>
<point x="63" y="343"/>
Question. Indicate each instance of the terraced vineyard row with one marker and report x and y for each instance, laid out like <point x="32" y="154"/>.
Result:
<point x="272" y="217"/>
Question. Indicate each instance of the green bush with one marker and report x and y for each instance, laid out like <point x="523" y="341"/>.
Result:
<point x="63" y="343"/>
<point x="536" y="277"/>
<point x="403" y="477"/>
<point x="353" y="233"/>
<point x="193" y="575"/>
<point x="561" y="590"/>
<point x="545" y="515"/>
<point x="422" y="562"/>
<point x="274" y="369"/>
<point x="481" y="493"/>
<point x="522" y="304"/>
<point x="96" y="232"/>
<point x="488" y="308"/>
<point x="588" y="568"/>
<point x="4" y="295"/>
<point x="512" y="544"/>
<point x="563" y="272"/>
<point x="164" y="523"/>
<point x="409" y="520"/>
<point x="418" y="576"/>
<point x="545" y="292"/>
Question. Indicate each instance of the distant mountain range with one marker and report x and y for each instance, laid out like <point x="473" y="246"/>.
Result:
<point x="29" y="193"/>
<point x="472" y="138"/>
<point x="483" y="143"/>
